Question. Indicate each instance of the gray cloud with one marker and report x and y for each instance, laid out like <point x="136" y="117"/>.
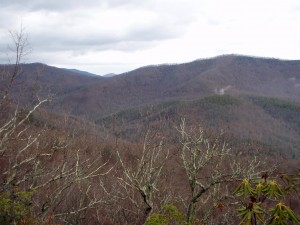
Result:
<point x="89" y="26"/>
<point x="58" y="5"/>
<point x="42" y="5"/>
<point x="71" y="39"/>
<point x="152" y="31"/>
<point x="68" y="32"/>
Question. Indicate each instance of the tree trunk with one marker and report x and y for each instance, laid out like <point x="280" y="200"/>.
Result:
<point x="191" y="212"/>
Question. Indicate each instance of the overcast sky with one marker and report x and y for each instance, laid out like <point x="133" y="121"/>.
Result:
<point x="104" y="36"/>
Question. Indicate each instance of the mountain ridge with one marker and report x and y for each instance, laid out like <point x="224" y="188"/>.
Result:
<point x="253" y="98"/>
<point x="230" y="74"/>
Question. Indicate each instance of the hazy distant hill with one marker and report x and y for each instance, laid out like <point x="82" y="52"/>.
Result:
<point x="233" y="75"/>
<point x="109" y="75"/>
<point x="89" y="74"/>
<point x="81" y="72"/>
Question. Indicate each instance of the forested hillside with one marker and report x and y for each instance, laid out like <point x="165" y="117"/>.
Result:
<point x="253" y="99"/>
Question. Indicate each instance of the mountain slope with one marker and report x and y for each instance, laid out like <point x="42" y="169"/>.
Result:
<point x="81" y="72"/>
<point x="254" y="99"/>
<point x="94" y="96"/>
<point x="271" y="123"/>
<point x="43" y="80"/>
<point x="233" y="75"/>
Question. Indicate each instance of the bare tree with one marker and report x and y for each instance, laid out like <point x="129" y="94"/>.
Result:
<point x="145" y="174"/>
<point x="19" y="49"/>
<point x="208" y="166"/>
<point x="54" y="168"/>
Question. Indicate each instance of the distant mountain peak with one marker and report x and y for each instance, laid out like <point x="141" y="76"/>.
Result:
<point x="80" y="72"/>
<point x="109" y="75"/>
